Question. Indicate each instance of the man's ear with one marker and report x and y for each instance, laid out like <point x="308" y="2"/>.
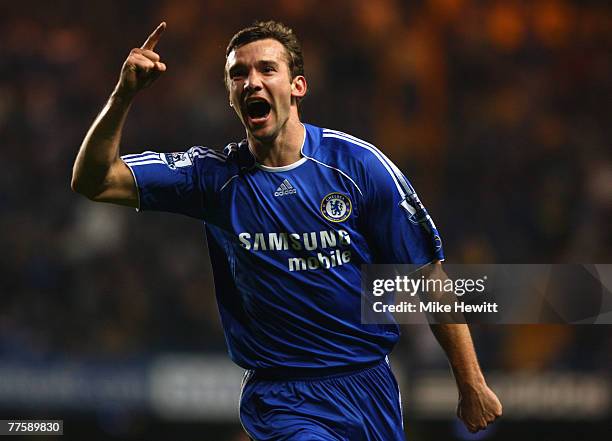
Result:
<point x="299" y="86"/>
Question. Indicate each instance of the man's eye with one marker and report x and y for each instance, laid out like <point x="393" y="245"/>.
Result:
<point x="268" y="69"/>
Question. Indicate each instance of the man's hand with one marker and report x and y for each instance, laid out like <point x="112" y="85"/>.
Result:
<point x="142" y="66"/>
<point x="478" y="407"/>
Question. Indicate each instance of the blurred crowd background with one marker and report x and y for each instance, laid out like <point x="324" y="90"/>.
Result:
<point x="499" y="112"/>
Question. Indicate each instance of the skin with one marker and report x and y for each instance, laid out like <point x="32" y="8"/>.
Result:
<point x="260" y="70"/>
<point x="255" y="70"/>
<point x="478" y="406"/>
<point x="98" y="172"/>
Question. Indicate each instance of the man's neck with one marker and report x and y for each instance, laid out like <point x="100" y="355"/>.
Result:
<point x="284" y="149"/>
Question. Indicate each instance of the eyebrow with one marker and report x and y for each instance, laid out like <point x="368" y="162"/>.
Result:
<point x="238" y="66"/>
<point x="268" y="63"/>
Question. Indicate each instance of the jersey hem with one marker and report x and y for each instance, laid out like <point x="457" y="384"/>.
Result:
<point x="311" y="374"/>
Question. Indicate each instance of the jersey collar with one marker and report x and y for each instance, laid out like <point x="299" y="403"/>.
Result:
<point x="311" y="140"/>
<point x="241" y="154"/>
<point x="246" y="160"/>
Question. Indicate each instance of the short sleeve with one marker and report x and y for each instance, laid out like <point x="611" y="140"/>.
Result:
<point x="398" y="227"/>
<point x="173" y="182"/>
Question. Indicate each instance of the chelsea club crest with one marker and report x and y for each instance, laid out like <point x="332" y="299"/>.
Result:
<point x="336" y="207"/>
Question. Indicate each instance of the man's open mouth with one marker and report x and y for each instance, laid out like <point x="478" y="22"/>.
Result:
<point x="258" y="109"/>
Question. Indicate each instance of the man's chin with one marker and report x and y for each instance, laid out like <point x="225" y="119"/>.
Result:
<point x="262" y="132"/>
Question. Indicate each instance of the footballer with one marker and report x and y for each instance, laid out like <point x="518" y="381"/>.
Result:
<point x="290" y="213"/>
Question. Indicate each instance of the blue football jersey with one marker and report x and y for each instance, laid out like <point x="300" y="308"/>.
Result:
<point x="286" y="243"/>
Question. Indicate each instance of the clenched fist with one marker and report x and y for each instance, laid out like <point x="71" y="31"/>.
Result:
<point x="478" y="407"/>
<point x="142" y="65"/>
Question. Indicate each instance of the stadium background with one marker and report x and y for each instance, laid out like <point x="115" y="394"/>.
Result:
<point x="498" y="111"/>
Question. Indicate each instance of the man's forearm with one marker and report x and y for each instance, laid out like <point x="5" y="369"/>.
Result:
<point x="100" y="148"/>
<point x="478" y="405"/>
<point x="456" y="341"/>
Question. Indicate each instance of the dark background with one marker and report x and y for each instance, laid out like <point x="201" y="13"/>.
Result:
<point x="498" y="112"/>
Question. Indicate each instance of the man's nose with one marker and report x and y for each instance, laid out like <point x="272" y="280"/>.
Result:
<point x="253" y="81"/>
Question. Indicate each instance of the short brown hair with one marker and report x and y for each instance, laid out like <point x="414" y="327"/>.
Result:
<point x="275" y="30"/>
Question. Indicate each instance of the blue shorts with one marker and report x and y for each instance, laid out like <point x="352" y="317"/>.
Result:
<point x="362" y="405"/>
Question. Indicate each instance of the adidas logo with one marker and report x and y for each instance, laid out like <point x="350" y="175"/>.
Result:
<point x="284" y="189"/>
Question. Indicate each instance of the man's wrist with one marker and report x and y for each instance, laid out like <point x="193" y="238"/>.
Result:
<point x="471" y="384"/>
<point x="121" y="95"/>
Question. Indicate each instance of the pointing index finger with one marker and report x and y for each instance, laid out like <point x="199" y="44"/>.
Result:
<point x="153" y="39"/>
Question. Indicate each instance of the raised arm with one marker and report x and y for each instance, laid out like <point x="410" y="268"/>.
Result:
<point x="98" y="172"/>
